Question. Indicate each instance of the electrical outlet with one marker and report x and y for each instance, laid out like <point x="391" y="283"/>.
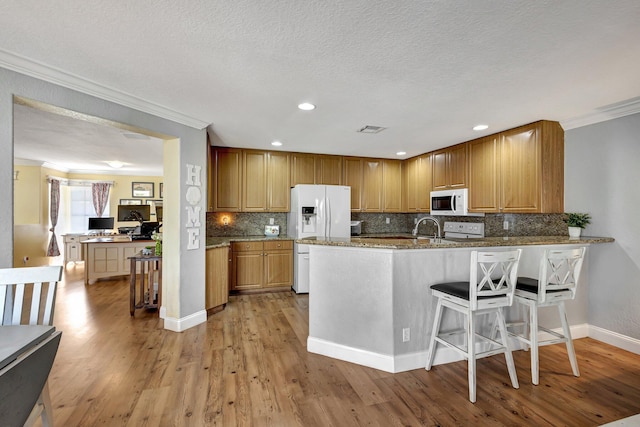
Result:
<point x="415" y="220"/>
<point x="388" y="220"/>
<point x="271" y="221"/>
<point x="505" y="225"/>
<point x="406" y="334"/>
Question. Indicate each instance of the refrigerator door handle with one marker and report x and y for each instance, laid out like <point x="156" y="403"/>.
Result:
<point x="328" y="218"/>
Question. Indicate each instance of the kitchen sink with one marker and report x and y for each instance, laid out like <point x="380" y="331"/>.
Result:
<point x="425" y="239"/>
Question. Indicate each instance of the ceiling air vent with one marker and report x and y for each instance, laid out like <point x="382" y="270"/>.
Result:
<point x="371" y="129"/>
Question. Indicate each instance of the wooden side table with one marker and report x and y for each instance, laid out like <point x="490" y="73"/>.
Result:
<point x="149" y="265"/>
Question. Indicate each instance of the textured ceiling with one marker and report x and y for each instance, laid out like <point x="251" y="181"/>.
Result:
<point x="426" y="70"/>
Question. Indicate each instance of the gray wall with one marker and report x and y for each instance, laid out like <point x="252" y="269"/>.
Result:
<point x="602" y="177"/>
<point x="187" y="287"/>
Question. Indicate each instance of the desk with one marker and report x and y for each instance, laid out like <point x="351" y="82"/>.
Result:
<point x="16" y="339"/>
<point x="149" y="265"/>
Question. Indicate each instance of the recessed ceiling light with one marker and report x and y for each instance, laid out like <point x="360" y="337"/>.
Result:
<point x="401" y="153"/>
<point x="306" y="106"/>
<point x="276" y="143"/>
<point x="480" y="127"/>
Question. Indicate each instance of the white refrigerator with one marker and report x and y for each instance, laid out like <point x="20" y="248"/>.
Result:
<point x="322" y="211"/>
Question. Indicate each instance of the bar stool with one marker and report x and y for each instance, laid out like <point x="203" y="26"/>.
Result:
<point x="490" y="287"/>
<point x="557" y="282"/>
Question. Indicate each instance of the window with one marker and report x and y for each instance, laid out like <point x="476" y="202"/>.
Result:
<point x="81" y="208"/>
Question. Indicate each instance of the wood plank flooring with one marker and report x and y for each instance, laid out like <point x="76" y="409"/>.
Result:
<point x="248" y="366"/>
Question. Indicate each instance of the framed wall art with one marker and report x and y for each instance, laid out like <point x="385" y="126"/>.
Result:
<point x="142" y="189"/>
<point x="130" y="201"/>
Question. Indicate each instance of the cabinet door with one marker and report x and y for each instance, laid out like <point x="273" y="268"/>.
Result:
<point x="303" y="169"/>
<point x="372" y="185"/>
<point x="278" y="183"/>
<point x="409" y="183"/>
<point x="392" y="185"/>
<point x="247" y="267"/>
<point x="439" y="161"/>
<point x="484" y="174"/>
<point x="329" y="170"/>
<point x="217" y="277"/>
<point x="520" y="164"/>
<point x="458" y="166"/>
<point x="254" y="194"/>
<point x="423" y="187"/>
<point x="279" y="268"/>
<point x="227" y="179"/>
<point x="353" y="178"/>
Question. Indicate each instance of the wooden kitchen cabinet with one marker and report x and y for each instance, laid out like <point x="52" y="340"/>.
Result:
<point x="449" y="167"/>
<point x="266" y="184"/>
<point x="391" y="185"/>
<point x="417" y="179"/>
<point x="217" y="277"/>
<point x="261" y="264"/>
<point x="227" y="180"/>
<point x="303" y="169"/>
<point x="353" y="178"/>
<point x="328" y="170"/>
<point x="518" y="171"/>
<point x="372" y="185"/>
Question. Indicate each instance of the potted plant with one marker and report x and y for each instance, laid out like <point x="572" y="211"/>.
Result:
<point x="576" y="222"/>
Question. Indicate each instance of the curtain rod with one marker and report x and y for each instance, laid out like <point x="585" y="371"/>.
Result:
<point x="78" y="182"/>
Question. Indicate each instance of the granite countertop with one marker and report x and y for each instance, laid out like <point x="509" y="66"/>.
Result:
<point x="224" y="241"/>
<point x="406" y="241"/>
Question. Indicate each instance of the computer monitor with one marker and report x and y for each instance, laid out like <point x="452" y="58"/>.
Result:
<point x="104" y="223"/>
<point x="128" y="213"/>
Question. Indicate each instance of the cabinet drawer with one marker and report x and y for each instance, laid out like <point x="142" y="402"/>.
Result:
<point x="278" y="244"/>
<point x="247" y="246"/>
<point x="71" y="239"/>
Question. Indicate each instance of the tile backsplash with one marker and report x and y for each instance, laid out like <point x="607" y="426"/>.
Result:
<point x="252" y="224"/>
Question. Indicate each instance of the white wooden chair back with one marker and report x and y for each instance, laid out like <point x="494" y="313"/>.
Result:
<point x="16" y="284"/>
<point x="493" y="275"/>
<point x="560" y="271"/>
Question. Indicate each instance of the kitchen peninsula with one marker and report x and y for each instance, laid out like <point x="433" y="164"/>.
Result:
<point x="365" y="291"/>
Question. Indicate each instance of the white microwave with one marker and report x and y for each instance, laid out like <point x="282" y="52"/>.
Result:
<point x="450" y="202"/>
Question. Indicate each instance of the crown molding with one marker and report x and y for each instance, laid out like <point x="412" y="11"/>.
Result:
<point x="602" y="114"/>
<point x="39" y="70"/>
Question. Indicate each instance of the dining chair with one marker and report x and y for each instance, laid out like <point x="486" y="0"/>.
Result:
<point x="22" y="382"/>
<point x="557" y="282"/>
<point x="491" y="287"/>
<point x="27" y="297"/>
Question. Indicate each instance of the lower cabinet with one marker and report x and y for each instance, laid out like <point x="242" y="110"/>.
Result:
<point x="261" y="264"/>
<point x="217" y="277"/>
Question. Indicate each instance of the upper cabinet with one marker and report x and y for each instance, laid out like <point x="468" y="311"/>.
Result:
<point x="315" y="169"/>
<point x="372" y="185"/>
<point x="417" y="178"/>
<point x="227" y="179"/>
<point x="518" y="171"/>
<point x="391" y="185"/>
<point x="266" y="181"/>
<point x="328" y="170"/>
<point x="449" y="167"/>
<point x="352" y="177"/>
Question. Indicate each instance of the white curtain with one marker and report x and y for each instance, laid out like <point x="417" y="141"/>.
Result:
<point x="54" y="205"/>
<point x="100" y="196"/>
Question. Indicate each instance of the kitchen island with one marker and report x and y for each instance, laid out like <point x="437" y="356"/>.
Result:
<point x="109" y="256"/>
<point x="365" y="291"/>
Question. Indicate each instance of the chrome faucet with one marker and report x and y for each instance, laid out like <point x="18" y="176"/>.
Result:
<point x="415" y="230"/>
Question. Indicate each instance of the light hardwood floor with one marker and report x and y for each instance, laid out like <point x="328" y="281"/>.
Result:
<point x="248" y="365"/>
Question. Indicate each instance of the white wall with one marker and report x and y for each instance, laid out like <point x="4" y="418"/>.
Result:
<point x="602" y="177"/>
<point x="186" y="307"/>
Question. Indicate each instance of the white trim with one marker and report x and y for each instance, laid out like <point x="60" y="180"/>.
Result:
<point x="179" y="325"/>
<point x="602" y="114"/>
<point x="615" y="339"/>
<point x="78" y="182"/>
<point x="39" y="70"/>
<point x="415" y="360"/>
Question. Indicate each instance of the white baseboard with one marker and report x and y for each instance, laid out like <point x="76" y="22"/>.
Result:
<point x="417" y="360"/>
<point x="184" y="323"/>
<point x="615" y="339"/>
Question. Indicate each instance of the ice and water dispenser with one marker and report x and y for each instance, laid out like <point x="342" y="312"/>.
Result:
<point x="309" y="219"/>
